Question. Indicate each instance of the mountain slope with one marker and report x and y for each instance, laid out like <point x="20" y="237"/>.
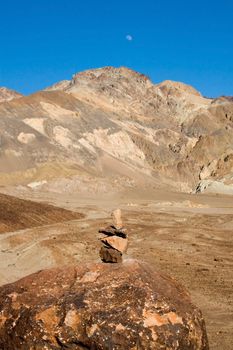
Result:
<point x="19" y="214"/>
<point x="112" y="128"/>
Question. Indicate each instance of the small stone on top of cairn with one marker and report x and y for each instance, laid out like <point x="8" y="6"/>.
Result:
<point x="115" y="241"/>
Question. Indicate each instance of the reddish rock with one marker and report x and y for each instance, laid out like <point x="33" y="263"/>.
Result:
<point x="117" y="243"/>
<point x="110" y="255"/>
<point x="99" y="306"/>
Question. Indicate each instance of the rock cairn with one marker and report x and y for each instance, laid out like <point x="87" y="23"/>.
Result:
<point x="115" y="241"/>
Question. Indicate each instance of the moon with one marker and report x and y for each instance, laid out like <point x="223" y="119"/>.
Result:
<point x="129" y="37"/>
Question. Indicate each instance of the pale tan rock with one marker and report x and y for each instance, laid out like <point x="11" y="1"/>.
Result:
<point x="117" y="243"/>
<point x="117" y="221"/>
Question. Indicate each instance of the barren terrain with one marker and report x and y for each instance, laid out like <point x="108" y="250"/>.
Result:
<point x="186" y="236"/>
<point x="111" y="138"/>
<point x="19" y="214"/>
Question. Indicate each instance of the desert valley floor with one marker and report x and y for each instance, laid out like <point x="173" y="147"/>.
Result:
<point x="189" y="237"/>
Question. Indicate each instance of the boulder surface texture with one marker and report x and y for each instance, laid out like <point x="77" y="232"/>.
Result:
<point x="99" y="306"/>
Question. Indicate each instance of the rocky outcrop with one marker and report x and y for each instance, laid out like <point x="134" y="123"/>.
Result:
<point x="99" y="306"/>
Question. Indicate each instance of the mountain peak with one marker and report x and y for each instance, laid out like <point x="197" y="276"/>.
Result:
<point x="8" y="94"/>
<point x="106" y="75"/>
<point x="110" y="71"/>
<point x="171" y="86"/>
<point x="114" y="122"/>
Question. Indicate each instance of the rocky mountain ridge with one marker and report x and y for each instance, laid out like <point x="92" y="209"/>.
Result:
<point x="108" y="129"/>
<point x="8" y="95"/>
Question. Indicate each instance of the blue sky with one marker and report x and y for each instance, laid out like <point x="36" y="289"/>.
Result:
<point x="45" y="41"/>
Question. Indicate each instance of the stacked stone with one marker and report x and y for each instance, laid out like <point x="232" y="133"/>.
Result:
<point x="115" y="241"/>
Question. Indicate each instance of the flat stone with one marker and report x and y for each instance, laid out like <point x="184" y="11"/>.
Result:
<point x="117" y="243"/>
<point x="113" y="231"/>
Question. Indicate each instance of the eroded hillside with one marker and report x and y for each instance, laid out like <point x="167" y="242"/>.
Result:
<point x="111" y="128"/>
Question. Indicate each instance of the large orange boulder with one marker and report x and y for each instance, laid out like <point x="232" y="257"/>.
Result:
<point x="99" y="306"/>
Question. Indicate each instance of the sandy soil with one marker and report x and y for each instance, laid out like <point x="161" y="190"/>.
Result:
<point x="18" y="214"/>
<point x="186" y="236"/>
